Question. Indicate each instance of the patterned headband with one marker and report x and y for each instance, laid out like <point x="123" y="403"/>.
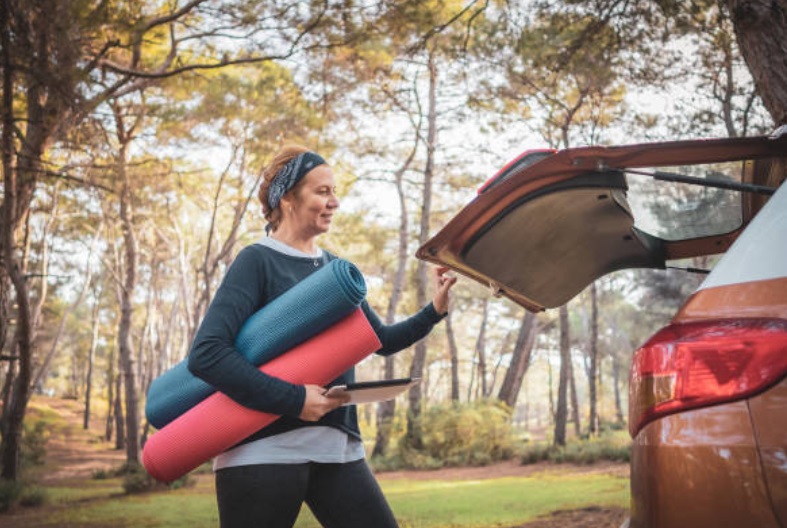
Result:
<point x="291" y="174"/>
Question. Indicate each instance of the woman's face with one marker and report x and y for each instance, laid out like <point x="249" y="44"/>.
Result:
<point x="312" y="203"/>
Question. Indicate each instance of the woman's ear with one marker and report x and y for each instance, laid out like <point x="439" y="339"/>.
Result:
<point x="286" y="204"/>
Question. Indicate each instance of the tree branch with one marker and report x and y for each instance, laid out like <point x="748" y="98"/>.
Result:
<point x="439" y="29"/>
<point x="175" y="15"/>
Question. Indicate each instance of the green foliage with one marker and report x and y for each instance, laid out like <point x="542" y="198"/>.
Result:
<point x="474" y="434"/>
<point x="12" y="493"/>
<point x="186" y="481"/>
<point x="608" y="446"/>
<point x="535" y="453"/>
<point x="34" y="439"/>
<point x="102" y="474"/>
<point x="9" y="493"/>
<point x="33" y="496"/>
<point x="137" y="480"/>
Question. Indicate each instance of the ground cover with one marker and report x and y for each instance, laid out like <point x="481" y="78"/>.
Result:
<point x="505" y="495"/>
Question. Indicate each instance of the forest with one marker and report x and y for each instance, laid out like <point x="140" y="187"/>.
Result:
<point x="134" y="133"/>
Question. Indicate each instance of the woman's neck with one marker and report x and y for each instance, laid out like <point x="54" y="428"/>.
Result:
<point x="304" y="244"/>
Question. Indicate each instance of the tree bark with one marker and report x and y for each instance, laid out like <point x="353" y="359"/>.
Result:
<point x="616" y="388"/>
<point x="453" y="354"/>
<point x="47" y="83"/>
<point x="760" y="27"/>
<point x="14" y="207"/>
<point x="127" y="288"/>
<point x="90" y="360"/>
<point x="561" y="413"/>
<point x="414" y="436"/>
<point x="120" y="430"/>
<point x="520" y="360"/>
<point x="43" y="369"/>
<point x="480" y="349"/>
<point x="592" y="371"/>
<point x="125" y="345"/>
<point x="572" y="385"/>
<point x="387" y="409"/>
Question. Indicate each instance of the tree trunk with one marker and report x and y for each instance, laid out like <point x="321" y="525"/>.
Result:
<point x="14" y="207"/>
<point x="473" y="371"/>
<point x="520" y="360"/>
<point x="760" y="27"/>
<point x="120" y="430"/>
<point x="127" y="289"/>
<point x="5" y="314"/>
<point x="90" y="359"/>
<point x="592" y="373"/>
<point x="387" y="409"/>
<point x="453" y="353"/>
<point x="43" y="94"/>
<point x="480" y="348"/>
<point x="561" y="413"/>
<point x="110" y="397"/>
<point x="125" y="346"/>
<point x="616" y="387"/>
<point x="43" y="369"/>
<point x="414" y="437"/>
<point x="572" y="385"/>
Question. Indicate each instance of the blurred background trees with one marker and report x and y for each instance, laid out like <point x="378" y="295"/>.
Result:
<point x="133" y="135"/>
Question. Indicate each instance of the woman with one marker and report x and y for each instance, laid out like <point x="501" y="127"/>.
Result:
<point x="313" y="453"/>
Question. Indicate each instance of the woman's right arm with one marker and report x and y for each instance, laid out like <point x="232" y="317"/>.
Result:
<point x="213" y="356"/>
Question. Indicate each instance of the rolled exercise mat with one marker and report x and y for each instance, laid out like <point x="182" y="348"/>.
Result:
<point x="218" y="423"/>
<point x="310" y="306"/>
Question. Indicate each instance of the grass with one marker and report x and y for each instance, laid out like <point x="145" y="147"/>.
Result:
<point x="502" y="502"/>
<point x="417" y="503"/>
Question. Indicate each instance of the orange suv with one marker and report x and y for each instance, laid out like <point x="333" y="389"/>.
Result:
<point x="708" y="393"/>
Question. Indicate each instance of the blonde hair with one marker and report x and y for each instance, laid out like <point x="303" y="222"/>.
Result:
<point x="280" y="159"/>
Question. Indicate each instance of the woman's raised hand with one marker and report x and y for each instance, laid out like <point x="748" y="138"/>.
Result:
<point x="443" y="282"/>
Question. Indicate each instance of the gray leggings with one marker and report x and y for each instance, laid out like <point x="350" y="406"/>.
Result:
<point x="270" y="496"/>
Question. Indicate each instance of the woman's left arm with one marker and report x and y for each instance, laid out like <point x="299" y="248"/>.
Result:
<point x="398" y="336"/>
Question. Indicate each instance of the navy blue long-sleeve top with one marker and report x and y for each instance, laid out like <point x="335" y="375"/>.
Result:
<point x="258" y="275"/>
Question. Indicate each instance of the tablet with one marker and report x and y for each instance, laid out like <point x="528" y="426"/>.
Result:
<point x="372" y="391"/>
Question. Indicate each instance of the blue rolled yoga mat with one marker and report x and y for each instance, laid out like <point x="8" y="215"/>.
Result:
<point x="312" y="305"/>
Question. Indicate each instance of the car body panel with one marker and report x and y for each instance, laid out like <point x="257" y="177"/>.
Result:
<point x="560" y="188"/>
<point x="768" y="419"/>
<point x="698" y="465"/>
<point x="763" y="299"/>
<point x="525" y="159"/>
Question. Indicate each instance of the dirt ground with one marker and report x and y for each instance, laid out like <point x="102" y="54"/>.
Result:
<point x="77" y="454"/>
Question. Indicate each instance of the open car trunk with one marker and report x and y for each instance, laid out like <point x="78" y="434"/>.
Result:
<point x="552" y="222"/>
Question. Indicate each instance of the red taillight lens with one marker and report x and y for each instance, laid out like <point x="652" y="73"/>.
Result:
<point x="685" y="366"/>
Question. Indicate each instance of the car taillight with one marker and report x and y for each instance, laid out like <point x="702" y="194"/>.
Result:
<point x="686" y="366"/>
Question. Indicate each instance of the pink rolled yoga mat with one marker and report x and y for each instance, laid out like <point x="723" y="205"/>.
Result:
<point x="218" y="423"/>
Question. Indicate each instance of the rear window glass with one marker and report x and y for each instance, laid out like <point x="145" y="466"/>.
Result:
<point x="679" y="211"/>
